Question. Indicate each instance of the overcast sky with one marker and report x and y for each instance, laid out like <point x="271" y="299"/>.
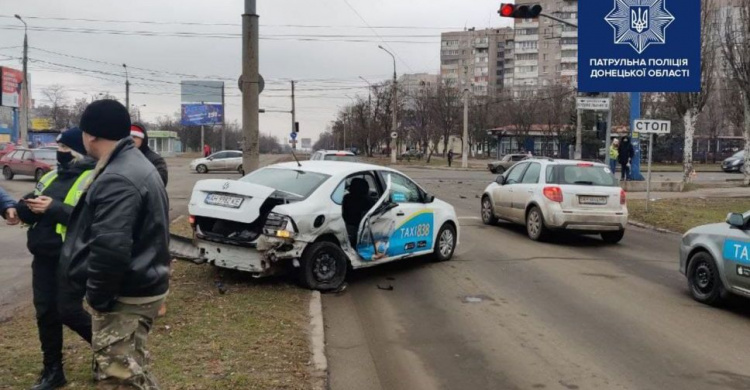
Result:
<point x="88" y="55"/>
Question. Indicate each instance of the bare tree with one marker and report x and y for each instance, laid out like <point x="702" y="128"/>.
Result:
<point x="690" y="105"/>
<point x="446" y="113"/>
<point x="736" y="50"/>
<point x="57" y="97"/>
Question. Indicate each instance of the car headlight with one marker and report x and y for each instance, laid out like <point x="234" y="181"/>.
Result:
<point x="281" y="226"/>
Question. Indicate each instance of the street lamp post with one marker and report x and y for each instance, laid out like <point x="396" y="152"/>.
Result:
<point x="369" y="112"/>
<point x="24" y="126"/>
<point x="394" y="125"/>
<point x="127" y="88"/>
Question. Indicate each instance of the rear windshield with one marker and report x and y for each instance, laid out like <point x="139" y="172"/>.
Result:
<point x="298" y="184"/>
<point x="346" y="157"/>
<point x="593" y="175"/>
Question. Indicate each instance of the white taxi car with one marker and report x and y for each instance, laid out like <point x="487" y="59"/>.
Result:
<point x="318" y="218"/>
<point x="547" y="194"/>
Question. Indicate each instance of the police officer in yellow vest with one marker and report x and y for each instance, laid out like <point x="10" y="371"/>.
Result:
<point x="46" y="211"/>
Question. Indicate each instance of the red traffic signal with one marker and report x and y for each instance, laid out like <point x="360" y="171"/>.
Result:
<point x="520" y="11"/>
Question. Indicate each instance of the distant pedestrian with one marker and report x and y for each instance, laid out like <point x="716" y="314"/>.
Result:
<point x="529" y="154"/>
<point x="117" y="248"/>
<point x="450" y="157"/>
<point x="140" y="138"/>
<point x="206" y="150"/>
<point x="8" y="208"/>
<point x="47" y="210"/>
<point x="613" y="154"/>
<point x="625" y="157"/>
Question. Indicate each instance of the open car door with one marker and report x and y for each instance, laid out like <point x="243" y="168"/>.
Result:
<point x="376" y="228"/>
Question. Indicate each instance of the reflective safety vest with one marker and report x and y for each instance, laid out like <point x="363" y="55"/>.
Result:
<point x="73" y="196"/>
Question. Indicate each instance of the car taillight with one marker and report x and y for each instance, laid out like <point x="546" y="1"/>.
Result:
<point x="553" y="193"/>
<point x="191" y="219"/>
<point x="585" y="164"/>
<point x="623" y="197"/>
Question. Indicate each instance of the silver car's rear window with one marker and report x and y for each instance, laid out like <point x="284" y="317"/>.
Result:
<point x="583" y="174"/>
<point x="294" y="182"/>
<point x="336" y="157"/>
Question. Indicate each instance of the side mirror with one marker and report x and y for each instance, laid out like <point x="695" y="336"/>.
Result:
<point x="736" y="220"/>
<point x="210" y="158"/>
<point x="429" y="198"/>
<point x="500" y="180"/>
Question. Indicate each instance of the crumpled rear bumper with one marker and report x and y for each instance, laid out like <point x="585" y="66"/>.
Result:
<point x="270" y="256"/>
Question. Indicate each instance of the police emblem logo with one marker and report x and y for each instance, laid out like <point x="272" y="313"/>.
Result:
<point x="640" y="23"/>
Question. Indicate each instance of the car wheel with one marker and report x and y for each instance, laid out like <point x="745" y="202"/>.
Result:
<point x="201" y="169"/>
<point x="323" y="267"/>
<point x="446" y="243"/>
<point x="704" y="281"/>
<point x="613" y="237"/>
<point x="38" y="175"/>
<point x="240" y="170"/>
<point x="7" y="173"/>
<point x="488" y="215"/>
<point x="535" y="225"/>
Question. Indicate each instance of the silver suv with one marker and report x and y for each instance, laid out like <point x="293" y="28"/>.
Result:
<point x="546" y="195"/>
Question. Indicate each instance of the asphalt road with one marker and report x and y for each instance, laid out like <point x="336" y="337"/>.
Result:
<point x="508" y="313"/>
<point x="15" y="259"/>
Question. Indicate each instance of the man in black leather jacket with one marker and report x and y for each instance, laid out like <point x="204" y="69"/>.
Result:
<point x="140" y="137"/>
<point x="117" y="247"/>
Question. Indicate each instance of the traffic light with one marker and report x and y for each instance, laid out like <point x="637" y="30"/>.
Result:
<point x="296" y="127"/>
<point x="508" y="10"/>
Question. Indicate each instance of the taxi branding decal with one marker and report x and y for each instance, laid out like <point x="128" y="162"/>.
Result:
<point x="387" y="240"/>
<point x="737" y="251"/>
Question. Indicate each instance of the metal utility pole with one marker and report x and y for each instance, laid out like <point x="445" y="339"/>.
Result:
<point x="464" y="149"/>
<point x="369" y="111"/>
<point x="294" y="118"/>
<point x="223" y="121"/>
<point x="127" y="88"/>
<point x="579" y="137"/>
<point x="24" y="126"/>
<point x="608" y="136"/>
<point x="251" y="88"/>
<point x="394" y="125"/>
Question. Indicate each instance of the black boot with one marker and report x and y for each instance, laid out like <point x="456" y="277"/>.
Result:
<point x="52" y="377"/>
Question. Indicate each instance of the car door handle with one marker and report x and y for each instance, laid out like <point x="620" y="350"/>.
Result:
<point x="400" y="214"/>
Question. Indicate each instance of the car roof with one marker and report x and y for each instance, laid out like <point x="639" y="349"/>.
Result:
<point x="553" y="161"/>
<point x="336" y="152"/>
<point x="331" y="168"/>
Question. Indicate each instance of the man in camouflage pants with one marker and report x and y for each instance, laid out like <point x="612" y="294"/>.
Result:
<point x="117" y="248"/>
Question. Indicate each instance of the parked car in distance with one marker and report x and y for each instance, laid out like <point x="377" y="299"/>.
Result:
<point x="411" y="154"/>
<point x="6" y="147"/>
<point x="334" y="155"/>
<point x="547" y="195"/>
<point x="715" y="259"/>
<point x="27" y="162"/>
<point x="735" y="163"/>
<point x="505" y="163"/>
<point x="318" y="220"/>
<point x="228" y="160"/>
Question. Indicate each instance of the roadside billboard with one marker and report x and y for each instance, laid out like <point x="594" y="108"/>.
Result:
<point x="202" y="114"/>
<point x="10" y="85"/>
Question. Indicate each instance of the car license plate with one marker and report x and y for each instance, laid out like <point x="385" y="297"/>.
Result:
<point x="592" y="200"/>
<point x="224" y="200"/>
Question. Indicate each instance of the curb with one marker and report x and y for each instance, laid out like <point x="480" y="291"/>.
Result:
<point x="317" y="342"/>
<point x="651" y="227"/>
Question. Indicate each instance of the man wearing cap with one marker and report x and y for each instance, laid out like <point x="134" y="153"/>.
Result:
<point x="117" y="248"/>
<point x="140" y="138"/>
<point x="46" y="211"/>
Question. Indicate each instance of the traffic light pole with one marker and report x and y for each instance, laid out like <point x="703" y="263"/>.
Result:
<point x="294" y="118"/>
<point x="251" y="88"/>
<point x="559" y="20"/>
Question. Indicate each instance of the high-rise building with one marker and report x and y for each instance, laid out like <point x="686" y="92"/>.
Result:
<point x="475" y="59"/>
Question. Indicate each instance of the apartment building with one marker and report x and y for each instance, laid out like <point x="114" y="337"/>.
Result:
<point x="475" y="59"/>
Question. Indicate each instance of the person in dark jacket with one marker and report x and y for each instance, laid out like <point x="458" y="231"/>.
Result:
<point x="625" y="157"/>
<point x="140" y="138"/>
<point x="117" y="248"/>
<point x="8" y="208"/>
<point x="47" y="210"/>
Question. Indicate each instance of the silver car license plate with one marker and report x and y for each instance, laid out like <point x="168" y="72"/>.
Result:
<point x="593" y="200"/>
<point x="224" y="200"/>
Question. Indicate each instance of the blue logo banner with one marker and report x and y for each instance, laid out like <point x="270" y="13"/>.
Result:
<point x="737" y="251"/>
<point x="639" y="45"/>
<point x="202" y="114"/>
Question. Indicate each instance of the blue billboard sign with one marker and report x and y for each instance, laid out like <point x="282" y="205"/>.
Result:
<point x="639" y="45"/>
<point x="202" y="114"/>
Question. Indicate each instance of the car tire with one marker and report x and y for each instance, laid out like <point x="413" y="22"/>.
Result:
<point x="323" y="267"/>
<point x="446" y="243"/>
<point x="613" y="237"/>
<point x="488" y="214"/>
<point x="704" y="281"/>
<point x="201" y="169"/>
<point x="7" y="173"/>
<point x="535" y="227"/>
<point x="38" y="175"/>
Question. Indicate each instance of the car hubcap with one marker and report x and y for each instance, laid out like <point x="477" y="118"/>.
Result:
<point x="446" y="243"/>
<point x="704" y="278"/>
<point x="324" y="268"/>
<point x="486" y="210"/>
<point x="534" y="223"/>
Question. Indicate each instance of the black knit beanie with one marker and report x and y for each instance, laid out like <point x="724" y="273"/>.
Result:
<point x="106" y="119"/>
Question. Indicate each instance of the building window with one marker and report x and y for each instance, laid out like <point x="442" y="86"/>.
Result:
<point x="544" y="69"/>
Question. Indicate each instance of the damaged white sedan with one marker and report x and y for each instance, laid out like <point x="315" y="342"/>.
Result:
<point x="317" y="219"/>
